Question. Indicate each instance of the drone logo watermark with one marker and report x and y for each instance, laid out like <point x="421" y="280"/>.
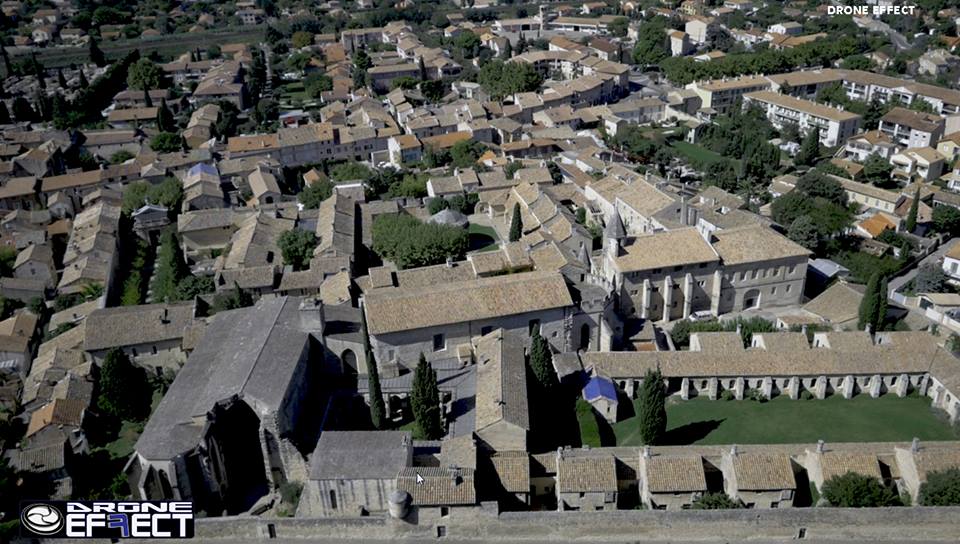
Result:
<point x="875" y="9"/>
<point x="106" y="519"/>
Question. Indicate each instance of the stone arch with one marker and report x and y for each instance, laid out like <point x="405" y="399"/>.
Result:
<point x="751" y="299"/>
<point x="349" y="360"/>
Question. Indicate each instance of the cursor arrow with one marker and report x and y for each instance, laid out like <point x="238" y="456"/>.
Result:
<point x="419" y="479"/>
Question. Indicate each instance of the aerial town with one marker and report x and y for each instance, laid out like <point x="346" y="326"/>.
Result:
<point x="422" y="270"/>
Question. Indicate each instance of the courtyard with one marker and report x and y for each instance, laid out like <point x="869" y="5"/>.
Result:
<point x="784" y="421"/>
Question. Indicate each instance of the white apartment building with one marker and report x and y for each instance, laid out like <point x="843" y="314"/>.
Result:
<point x="834" y="125"/>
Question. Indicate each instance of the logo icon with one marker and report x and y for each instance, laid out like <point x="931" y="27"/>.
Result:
<point x="43" y="519"/>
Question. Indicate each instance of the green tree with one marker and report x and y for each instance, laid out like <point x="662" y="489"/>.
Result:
<point x="121" y="157"/>
<point x="501" y="79"/>
<point x="433" y="90"/>
<point x="297" y="247"/>
<point x="378" y="411"/>
<point x="407" y="242"/>
<point x="170" y="267"/>
<point x="425" y="401"/>
<point x="652" y="409"/>
<point x="122" y="387"/>
<point x="942" y="488"/>
<point x="22" y="111"/>
<point x="312" y="195"/>
<point x="144" y="75"/>
<point x="715" y="501"/>
<point x="946" y="219"/>
<point x="804" y="232"/>
<point x="930" y="278"/>
<point x="541" y="361"/>
<point x="166" y="142"/>
<point x="235" y="298"/>
<point x="911" y="224"/>
<point x="809" y="148"/>
<point x="404" y="82"/>
<point x="853" y="490"/>
<point x="516" y="224"/>
<point x="193" y="286"/>
<point x="165" y="121"/>
<point x="464" y="154"/>
<point x="652" y="44"/>
<point x="870" y="304"/>
<point x="316" y="83"/>
<point x="301" y="39"/>
<point x="877" y="170"/>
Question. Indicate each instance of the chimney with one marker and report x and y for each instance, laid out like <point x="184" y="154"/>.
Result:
<point x="819" y="446"/>
<point x="449" y="261"/>
<point x="803" y="329"/>
<point x="733" y="450"/>
<point x="311" y="315"/>
<point x="915" y="445"/>
<point x="646" y="452"/>
<point x="739" y="328"/>
<point x="868" y="328"/>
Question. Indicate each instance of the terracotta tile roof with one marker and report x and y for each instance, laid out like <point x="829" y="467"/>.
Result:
<point x="838" y="463"/>
<point x="675" y="473"/>
<point x="513" y="470"/>
<point x="441" y="486"/>
<point x="763" y="472"/>
<point x="586" y="474"/>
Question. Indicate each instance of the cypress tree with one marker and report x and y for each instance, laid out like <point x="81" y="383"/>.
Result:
<point x="425" y="400"/>
<point x="868" y="306"/>
<point x="4" y="114"/>
<point x="61" y="80"/>
<point x="122" y="387"/>
<point x="809" y="148"/>
<point x="83" y="80"/>
<point x="541" y="361"/>
<point x="516" y="224"/>
<point x="96" y="55"/>
<point x="147" y="101"/>
<point x="165" y="120"/>
<point x="881" y="314"/>
<point x="912" y="214"/>
<point x="507" y="51"/>
<point x="653" y="408"/>
<point x="378" y="412"/>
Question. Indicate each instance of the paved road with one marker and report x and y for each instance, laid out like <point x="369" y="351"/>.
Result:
<point x="899" y="40"/>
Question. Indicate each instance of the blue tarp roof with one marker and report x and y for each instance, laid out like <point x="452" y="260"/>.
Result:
<point x="203" y="168"/>
<point x="599" y="386"/>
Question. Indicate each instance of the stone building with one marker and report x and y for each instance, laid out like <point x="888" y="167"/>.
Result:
<point x="221" y="435"/>
<point x="671" y="482"/>
<point x="587" y="482"/>
<point x="502" y="420"/>
<point x="353" y="472"/>
<point x="759" y="480"/>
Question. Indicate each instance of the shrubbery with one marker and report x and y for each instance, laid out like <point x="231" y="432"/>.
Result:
<point x="409" y="243"/>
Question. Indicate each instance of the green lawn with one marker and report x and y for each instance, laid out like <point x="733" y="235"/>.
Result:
<point x="482" y="238"/>
<point x="697" y="154"/>
<point x="589" y="424"/>
<point x="785" y="421"/>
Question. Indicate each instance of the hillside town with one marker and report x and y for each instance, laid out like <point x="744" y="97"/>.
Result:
<point x="432" y="269"/>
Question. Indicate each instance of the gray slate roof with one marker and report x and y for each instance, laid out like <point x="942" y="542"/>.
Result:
<point x="360" y="455"/>
<point x="250" y="352"/>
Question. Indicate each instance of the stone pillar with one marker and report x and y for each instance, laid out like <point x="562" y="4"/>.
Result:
<point x="687" y="294"/>
<point x="716" y="290"/>
<point x="713" y="385"/>
<point x="793" y="388"/>
<point x="924" y="384"/>
<point x="685" y="388"/>
<point x="645" y="308"/>
<point x="766" y="388"/>
<point x="820" y="389"/>
<point x="903" y="385"/>
<point x="876" y="384"/>
<point x="847" y="387"/>
<point x="667" y="297"/>
<point x="738" y="388"/>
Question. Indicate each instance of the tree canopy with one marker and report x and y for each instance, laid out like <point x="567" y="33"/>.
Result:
<point x="853" y="490"/>
<point x="123" y="388"/>
<point x="409" y="243"/>
<point x="942" y="488"/>
<point x="652" y="409"/>
<point x="501" y="79"/>
<point x="425" y="401"/>
<point x="297" y="247"/>
<point x="145" y="75"/>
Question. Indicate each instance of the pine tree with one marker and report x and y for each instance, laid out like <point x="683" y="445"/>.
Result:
<point x="122" y="387"/>
<point x="869" y="304"/>
<point x="516" y="224"/>
<point x="652" y="411"/>
<point x="425" y="401"/>
<point x="4" y="114"/>
<point x="541" y="361"/>
<point x="809" y="148"/>
<point x="165" y="120"/>
<point x="507" y="51"/>
<point x="912" y="214"/>
<point x="96" y="55"/>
